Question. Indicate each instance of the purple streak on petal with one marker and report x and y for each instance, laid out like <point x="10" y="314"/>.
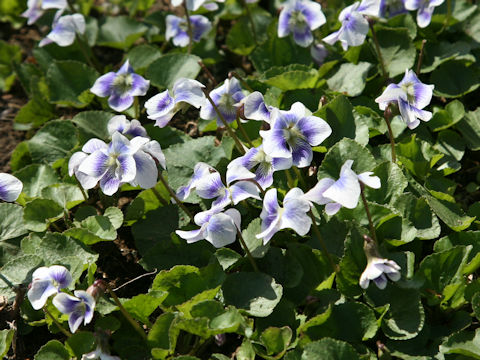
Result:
<point x="10" y="187"/>
<point x="139" y="85"/>
<point x="189" y="91"/>
<point x="275" y="144"/>
<point x="302" y="154"/>
<point x="200" y="26"/>
<point x="313" y="14"/>
<point x="93" y="145"/>
<point x="255" y="108"/>
<point x="243" y="190"/>
<point x="284" y="22"/>
<point x="146" y="170"/>
<point x="295" y="216"/>
<point x="423" y="95"/>
<point x="235" y="173"/>
<point x="125" y="68"/>
<point x="127" y="169"/>
<point x="60" y="275"/>
<point x="136" y="129"/>
<point x="315" y="129"/>
<point x="332" y="208"/>
<point x="39" y="293"/>
<point x="76" y="318"/>
<point x="381" y="282"/>
<point x="302" y="36"/>
<point x="210" y="186"/>
<point x="120" y="102"/>
<point x="103" y="85"/>
<point x="109" y="183"/>
<point x="160" y="105"/>
<point x="96" y="164"/>
<point x="65" y="303"/>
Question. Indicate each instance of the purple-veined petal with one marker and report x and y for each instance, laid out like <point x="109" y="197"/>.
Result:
<point x="10" y="187"/>
<point x="391" y="94"/>
<point x="146" y="170"/>
<point x="346" y="190"/>
<point x="172" y="23"/>
<point x="423" y="95"/>
<point x="93" y="145"/>
<point x="39" y="293"/>
<point x="355" y="30"/>
<point x="75" y="161"/>
<point x="117" y="123"/>
<point x="302" y="154"/>
<point x="275" y="144"/>
<point x="315" y="129"/>
<point x="242" y="190"/>
<point x="295" y="216"/>
<point x="221" y="230"/>
<point x="315" y="194"/>
<point x="65" y="303"/>
<point x="200" y="171"/>
<point x="160" y="106"/>
<point x="254" y="107"/>
<point x="210" y="186"/>
<point x="248" y="160"/>
<point x="302" y="36"/>
<point x="139" y="85"/>
<point x="103" y="85"/>
<point x="191" y="236"/>
<point x="95" y="165"/>
<point x="127" y="169"/>
<point x="120" y="102"/>
<point x="181" y="39"/>
<point x="369" y="180"/>
<point x="264" y="174"/>
<point x="109" y="182"/>
<point x="200" y="26"/>
<point x="89" y="302"/>
<point x="240" y="172"/>
<point x="76" y="318"/>
<point x="189" y="91"/>
<point x="313" y="14"/>
<point x="125" y="68"/>
<point x="270" y="216"/>
<point x="60" y="275"/>
<point x="381" y="282"/>
<point x="221" y="202"/>
<point x="284" y="22"/>
<point x="332" y="208"/>
<point x="136" y="129"/>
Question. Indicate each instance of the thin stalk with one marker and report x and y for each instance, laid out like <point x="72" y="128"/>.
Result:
<point x="189" y="27"/>
<point x="258" y="185"/>
<point x="208" y="73"/>
<point x="250" y="19"/>
<point x="239" y="78"/>
<point x="300" y="177"/>
<point x="60" y="327"/>
<point x="242" y="130"/>
<point x="135" y="279"/>
<point x="174" y="196"/>
<point x="136" y="107"/>
<point x="369" y="216"/>
<point x="420" y="56"/>
<point x="249" y="254"/>
<point x="379" y="53"/>
<point x="125" y="312"/>
<point x="388" y="115"/>
<point x="159" y="197"/>
<point x="238" y="143"/>
<point x="290" y="181"/>
<point x="316" y="230"/>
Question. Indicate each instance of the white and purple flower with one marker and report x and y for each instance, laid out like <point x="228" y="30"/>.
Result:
<point x="10" y="187"/>
<point x="300" y="17"/>
<point x="194" y="5"/>
<point x="378" y="268"/>
<point x="254" y="107"/>
<point x="342" y="192"/>
<point x="79" y="308"/>
<point x="64" y="29"/>
<point x="162" y="107"/>
<point x="425" y="10"/>
<point x="292" y="215"/>
<point x="293" y="133"/>
<point x="36" y="8"/>
<point x="218" y="228"/>
<point x="47" y="281"/>
<point x="126" y="127"/>
<point x="391" y="8"/>
<point x="411" y="96"/>
<point x="319" y="52"/>
<point x="200" y="171"/>
<point x="121" y="87"/>
<point x="177" y="29"/>
<point x="355" y="26"/>
<point x="226" y="97"/>
<point x="266" y="165"/>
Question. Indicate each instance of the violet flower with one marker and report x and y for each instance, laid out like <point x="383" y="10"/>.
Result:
<point x="266" y="165"/>
<point x="126" y="127"/>
<point x="79" y="308"/>
<point x="300" y="17"/>
<point x="293" y="133"/>
<point x="162" y="107"/>
<point x="10" y="187"/>
<point x="319" y="52"/>
<point x="355" y="26"/>
<point x="200" y="171"/>
<point x="425" y="10"/>
<point x="194" y="5"/>
<point x="254" y="107"/>
<point x="343" y="192"/>
<point x="226" y="97"/>
<point x="47" y="281"/>
<point x="411" y="96"/>
<point x="177" y="29"/>
<point x="292" y="215"/>
<point x="220" y="229"/>
<point x="36" y="8"/>
<point x="121" y="87"/>
<point x="377" y="268"/>
<point x="64" y="29"/>
<point x="391" y="8"/>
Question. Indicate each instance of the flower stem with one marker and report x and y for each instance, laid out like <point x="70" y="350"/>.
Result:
<point x="238" y="143"/>
<point x="60" y="327"/>
<point x="242" y="81"/>
<point x="189" y="27"/>
<point x="242" y="130"/>
<point x="377" y="47"/>
<point x="258" y="185"/>
<point x="208" y="73"/>
<point x="245" y="247"/>
<point x="323" y="246"/>
<point x="136" y="107"/>
<point x="420" y="56"/>
<point x="299" y="177"/>
<point x="159" y="197"/>
<point x="290" y="181"/>
<point x="369" y="216"/>
<point x="250" y="19"/>
<point x="174" y="196"/>
<point x="125" y="312"/>
<point x="388" y="116"/>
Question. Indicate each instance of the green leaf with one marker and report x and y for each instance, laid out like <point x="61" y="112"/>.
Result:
<point x="350" y="78"/>
<point x="329" y="349"/>
<point x="36" y="112"/>
<point x="93" y="124"/>
<point x="146" y="201"/>
<point x="6" y="337"/>
<point x="454" y="79"/>
<point x="16" y="272"/>
<point x="115" y="216"/>
<point x="68" y="80"/>
<point x="167" y="69"/>
<point x="464" y="238"/>
<point x="464" y="343"/>
<point x="65" y="195"/>
<point x="119" y="32"/>
<point x="255" y="245"/>
<point x="438" y="53"/>
<point x="142" y="306"/>
<point x="291" y="77"/>
<point x="164" y="333"/>
<point x="256" y="293"/>
<point x="40" y="212"/>
<point x="445" y="118"/>
<point x="9" y="54"/>
<point x="469" y="126"/>
<point x="393" y="182"/>
<point x="93" y="229"/>
<point x="227" y="257"/>
<point x="53" y="141"/>
<point x="53" y="350"/>
<point x="240" y="38"/>
<point x="276" y="340"/>
<point x="141" y="56"/>
<point x="12" y="224"/>
<point x="35" y="177"/>
<point x="397" y="49"/>
<point x="80" y="343"/>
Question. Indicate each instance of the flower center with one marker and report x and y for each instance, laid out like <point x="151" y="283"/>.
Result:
<point x="292" y="134"/>
<point x="123" y="83"/>
<point x="113" y="160"/>
<point x="297" y="19"/>
<point x="410" y="91"/>
<point x="226" y="101"/>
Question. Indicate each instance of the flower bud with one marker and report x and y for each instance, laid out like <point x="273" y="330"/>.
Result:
<point x="97" y="289"/>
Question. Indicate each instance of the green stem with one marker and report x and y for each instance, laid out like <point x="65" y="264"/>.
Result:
<point x="125" y="313"/>
<point x="238" y="143"/>
<point x="388" y="115"/>
<point x="242" y="130"/>
<point x="136" y="106"/>
<point x="249" y="254"/>
<point x="316" y="230"/>
<point x="300" y="177"/>
<point x="208" y="73"/>
<point x="189" y="27"/>
<point x="174" y="196"/>
<point x="159" y="197"/>
<point x="379" y="53"/>
<point x="290" y="181"/>
<point x="369" y="216"/>
<point x="60" y="327"/>
<point x="258" y="186"/>
<point x="420" y="56"/>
